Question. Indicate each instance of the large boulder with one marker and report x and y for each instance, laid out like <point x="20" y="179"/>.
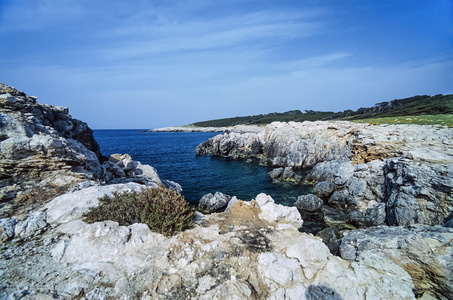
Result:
<point x="233" y="144"/>
<point x="352" y="194"/>
<point x="418" y="194"/>
<point x="122" y="169"/>
<point x="399" y="191"/>
<point x="214" y="203"/>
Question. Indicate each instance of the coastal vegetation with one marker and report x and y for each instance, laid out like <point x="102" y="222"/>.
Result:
<point x="383" y="112"/>
<point x="444" y="120"/>
<point x="164" y="210"/>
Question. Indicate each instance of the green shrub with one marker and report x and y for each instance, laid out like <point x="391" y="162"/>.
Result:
<point x="163" y="210"/>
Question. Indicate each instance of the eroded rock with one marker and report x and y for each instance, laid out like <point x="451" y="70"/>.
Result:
<point x="418" y="194"/>
<point x="214" y="203"/>
<point x="424" y="252"/>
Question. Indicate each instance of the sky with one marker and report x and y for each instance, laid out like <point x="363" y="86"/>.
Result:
<point x="142" y="64"/>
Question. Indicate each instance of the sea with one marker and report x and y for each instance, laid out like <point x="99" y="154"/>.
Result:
<point x="172" y="154"/>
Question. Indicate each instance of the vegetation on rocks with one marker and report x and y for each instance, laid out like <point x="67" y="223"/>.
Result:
<point x="163" y="210"/>
<point x="444" y="120"/>
<point x="412" y="106"/>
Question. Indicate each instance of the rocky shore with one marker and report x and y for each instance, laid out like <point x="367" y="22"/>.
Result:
<point x="363" y="175"/>
<point x="52" y="172"/>
<point x="238" y="128"/>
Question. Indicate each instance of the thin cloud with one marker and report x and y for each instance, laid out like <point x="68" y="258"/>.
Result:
<point x="245" y="31"/>
<point x="312" y="62"/>
<point x="187" y="59"/>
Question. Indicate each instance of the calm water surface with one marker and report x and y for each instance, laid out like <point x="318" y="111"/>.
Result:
<point x="173" y="156"/>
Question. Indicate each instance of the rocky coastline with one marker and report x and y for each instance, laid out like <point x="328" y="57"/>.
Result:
<point x="237" y="128"/>
<point x="362" y="175"/>
<point x="365" y="177"/>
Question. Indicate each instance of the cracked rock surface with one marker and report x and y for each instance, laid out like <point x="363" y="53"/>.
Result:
<point x="244" y="253"/>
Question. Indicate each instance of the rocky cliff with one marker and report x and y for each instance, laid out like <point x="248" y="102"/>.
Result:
<point x="253" y="250"/>
<point x="302" y="145"/>
<point x="363" y="175"/>
<point x="44" y="152"/>
<point x="43" y="149"/>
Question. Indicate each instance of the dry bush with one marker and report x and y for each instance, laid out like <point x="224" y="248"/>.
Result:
<point x="163" y="210"/>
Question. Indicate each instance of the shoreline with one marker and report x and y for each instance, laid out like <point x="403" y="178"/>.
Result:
<point x="189" y="129"/>
<point x="237" y="128"/>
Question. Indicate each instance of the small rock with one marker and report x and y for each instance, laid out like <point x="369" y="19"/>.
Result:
<point x="324" y="188"/>
<point x="214" y="203"/>
<point x="276" y="173"/>
<point x="310" y="203"/>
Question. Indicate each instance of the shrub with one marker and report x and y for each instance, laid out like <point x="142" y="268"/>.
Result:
<point x="163" y="210"/>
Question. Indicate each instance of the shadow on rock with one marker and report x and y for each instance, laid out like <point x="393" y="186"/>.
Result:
<point x="321" y="292"/>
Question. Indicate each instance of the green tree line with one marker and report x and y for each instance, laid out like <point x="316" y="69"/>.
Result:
<point x="413" y="106"/>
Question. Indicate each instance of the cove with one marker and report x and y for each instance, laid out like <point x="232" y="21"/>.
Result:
<point x="173" y="156"/>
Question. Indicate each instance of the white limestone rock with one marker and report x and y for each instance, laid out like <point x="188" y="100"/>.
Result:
<point x="297" y="293"/>
<point x="277" y="213"/>
<point x="278" y="270"/>
<point x="34" y="223"/>
<point x="7" y="227"/>
<point x="312" y="255"/>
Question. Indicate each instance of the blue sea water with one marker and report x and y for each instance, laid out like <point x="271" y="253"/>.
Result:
<point x="173" y="156"/>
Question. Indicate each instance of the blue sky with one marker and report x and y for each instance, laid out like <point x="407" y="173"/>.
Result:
<point x="147" y="64"/>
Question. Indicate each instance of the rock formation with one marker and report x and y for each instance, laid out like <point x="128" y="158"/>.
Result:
<point x="285" y="144"/>
<point x="364" y="175"/>
<point x="254" y="249"/>
<point x="45" y="152"/>
<point x="285" y="174"/>
<point x="424" y="252"/>
<point x="214" y="203"/>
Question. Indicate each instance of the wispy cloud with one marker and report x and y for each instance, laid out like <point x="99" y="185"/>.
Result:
<point x="312" y="62"/>
<point x="244" y="31"/>
<point x="188" y="59"/>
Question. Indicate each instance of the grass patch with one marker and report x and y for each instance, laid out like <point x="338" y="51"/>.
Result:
<point x="443" y="120"/>
<point x="164" y="210"/>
